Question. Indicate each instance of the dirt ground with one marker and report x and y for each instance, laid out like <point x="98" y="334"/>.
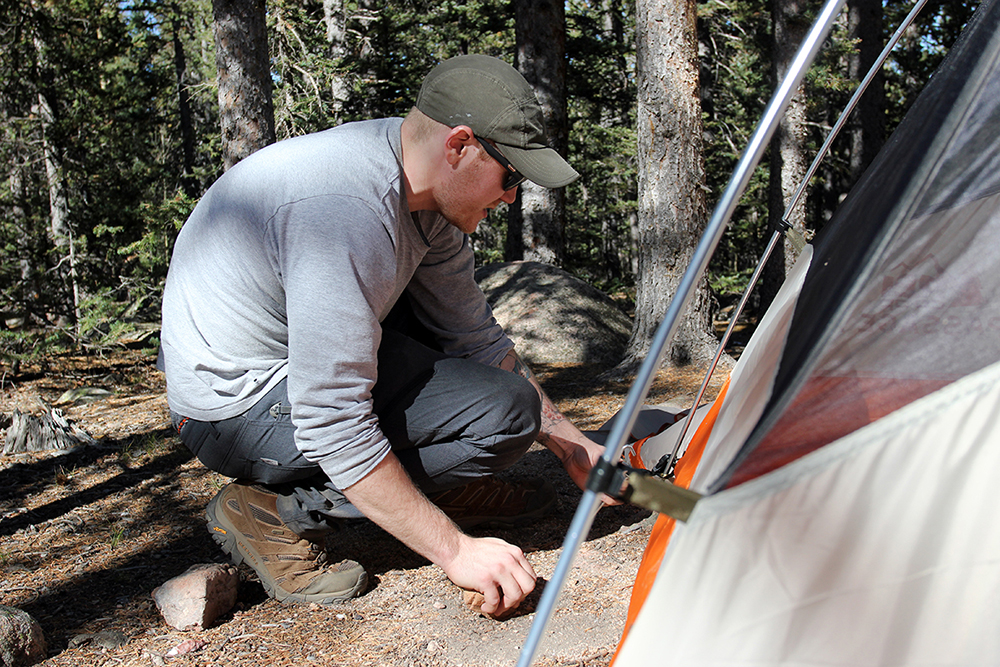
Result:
<point x="87" y="534"/>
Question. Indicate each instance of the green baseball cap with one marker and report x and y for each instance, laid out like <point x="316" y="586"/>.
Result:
<point x="496" y="102"/>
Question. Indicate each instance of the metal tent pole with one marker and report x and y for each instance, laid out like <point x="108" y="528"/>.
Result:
<point x="862" y="87"/>
<point x="590" y="502"/>
<point x="665" y="464"/>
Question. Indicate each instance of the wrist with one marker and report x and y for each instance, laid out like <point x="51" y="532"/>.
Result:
<point x="452" y="550"/>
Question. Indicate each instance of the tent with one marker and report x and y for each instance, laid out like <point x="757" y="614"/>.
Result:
<point x="849" y="469"/>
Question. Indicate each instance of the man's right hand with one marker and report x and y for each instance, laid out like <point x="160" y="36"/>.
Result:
<point x="496" y="569"/>
<point x="489" y="565"/>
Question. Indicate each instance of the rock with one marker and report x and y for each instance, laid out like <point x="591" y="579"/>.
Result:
<point x="108" y="639"/>
<point x="553" y="317"/>
<point x="21" y="640"/>
<point x="195" y="599"/>
<point x="185" y="647"/>
<point x="83" y="395"/>
<point x="474" y="600"/>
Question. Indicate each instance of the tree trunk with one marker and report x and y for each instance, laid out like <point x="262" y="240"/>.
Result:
<point x="188" y="181"/>
<point x="672" y="207"/>
<point x="60" y="230"/>
<point x="788" y="163"/>
<point x="335" y="19"/>
<point x="245" y="105"/>
<point x="867" y="129"/>
<point x="537" y="219"/>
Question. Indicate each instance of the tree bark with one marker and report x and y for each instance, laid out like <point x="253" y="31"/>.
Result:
<point x="537" y="219"/>
<point x="867" y="129"/>
<point x="246" y="108"/>
<point x="335" y="19"/>
<point x="672" y="206"/>
<point x="788" y="160"/>
<point x="60" y="229"/>
<point x="188" y="181"/>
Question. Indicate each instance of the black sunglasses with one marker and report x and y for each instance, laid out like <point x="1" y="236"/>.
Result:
<point x="513" y="177"/>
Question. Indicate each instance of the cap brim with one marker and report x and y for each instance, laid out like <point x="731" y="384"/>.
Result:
<point x="543" y="166"/>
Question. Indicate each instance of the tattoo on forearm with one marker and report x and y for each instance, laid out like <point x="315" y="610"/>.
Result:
<point x="521" y="368"/>
<point x="550" y="414"/>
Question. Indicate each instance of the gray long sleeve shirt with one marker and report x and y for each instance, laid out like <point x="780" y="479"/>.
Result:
<point x="288" y="265"/>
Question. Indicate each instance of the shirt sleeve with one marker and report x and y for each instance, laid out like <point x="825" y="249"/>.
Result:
<point x="448" y="301"/>
<point x="335" y="285"/>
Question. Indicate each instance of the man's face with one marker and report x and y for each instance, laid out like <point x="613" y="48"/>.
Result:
<point x="474" y="190"/>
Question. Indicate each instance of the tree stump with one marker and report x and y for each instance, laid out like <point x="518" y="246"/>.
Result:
<point x="37" y="433"/>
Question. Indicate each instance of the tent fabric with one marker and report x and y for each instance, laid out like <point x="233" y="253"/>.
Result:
<point x="878" y="549"/>
<point x="738" y="402"/>
<point x="753" y="376"/>
<point x="926" y="319"/>
<point x="750" y="383"/>
<point x="849" y="475"/>
<point x="902" y="293"/>
<point x="663" y="528"/>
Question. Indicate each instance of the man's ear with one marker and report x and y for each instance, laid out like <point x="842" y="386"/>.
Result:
<point x="457" y="142"/>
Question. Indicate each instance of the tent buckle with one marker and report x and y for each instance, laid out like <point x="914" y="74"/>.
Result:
<point x="642" y="488"/>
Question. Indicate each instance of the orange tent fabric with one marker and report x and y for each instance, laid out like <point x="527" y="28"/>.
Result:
<point x="664" y="527"/>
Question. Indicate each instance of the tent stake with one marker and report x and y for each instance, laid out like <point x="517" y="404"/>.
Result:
<point x="590" y="502"/>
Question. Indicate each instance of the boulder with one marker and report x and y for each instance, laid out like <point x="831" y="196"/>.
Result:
<point x="553" y="317"/>
<point x="21" y="640"/>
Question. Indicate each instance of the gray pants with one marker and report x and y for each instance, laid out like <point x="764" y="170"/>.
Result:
<point x="448" y="420"/>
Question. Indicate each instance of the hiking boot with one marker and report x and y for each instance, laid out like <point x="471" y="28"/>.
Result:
<point x="490" y="501"/>
<point x="243" y="519"/>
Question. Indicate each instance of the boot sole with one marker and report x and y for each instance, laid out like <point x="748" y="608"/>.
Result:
<point x="227" y="537"/>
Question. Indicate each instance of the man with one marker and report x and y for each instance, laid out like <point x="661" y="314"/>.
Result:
<point x="298" y="295"/>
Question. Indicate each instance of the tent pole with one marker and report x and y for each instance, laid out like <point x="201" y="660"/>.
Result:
<point x="862" y="87"/>
<point x="590" y="502"/>
<point x="664" y="465"/>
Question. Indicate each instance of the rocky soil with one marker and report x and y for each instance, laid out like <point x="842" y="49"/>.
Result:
<point x="87" y="534"/>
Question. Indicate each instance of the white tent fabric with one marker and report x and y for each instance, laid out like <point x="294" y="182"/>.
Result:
<point x="749" y="385"/>
<point x="850" y="507"/>
<point x="882" y="548"/>
<point x="751" y="380"/>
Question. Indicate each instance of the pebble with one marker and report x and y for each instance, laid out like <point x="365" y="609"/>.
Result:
<point x="440" y="605"/>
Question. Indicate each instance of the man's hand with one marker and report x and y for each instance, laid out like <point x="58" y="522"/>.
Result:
<point x="489" y="565"/>
<point x="580" y="459"/>
<point x="494" y="568"/>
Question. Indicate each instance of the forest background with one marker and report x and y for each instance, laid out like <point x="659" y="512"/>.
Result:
<point x="110" y="118"/>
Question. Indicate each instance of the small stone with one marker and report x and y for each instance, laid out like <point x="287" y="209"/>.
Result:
<point x="474" y="600"/>
<point x="195" y="599"/>
<point x="433" y="646"/>
<point x="110" y="639"/>
<point x="22" y="642"/>
<point x="440" y="605"/>
<point x="185" y="647"/>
